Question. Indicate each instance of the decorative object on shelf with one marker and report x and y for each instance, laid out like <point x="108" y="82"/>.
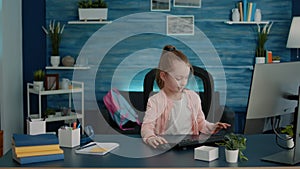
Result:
<point x="262" y="37"/>
<point x="92" y="10"/>
<point x="276" y="59"/>
<point x="235" y="16"/>
<point x="257" y="16"/>
<point x="55" y="60"/>
<point x="38" y="79"/>
<point x="65" y="111"/>
<point x="65" y="83"/>
<point x="294" y="35"/>
<point x="49" y="113"/>
<point x="234" y="145"/>
<point x="55" y="33"/>
<point x="68" y="61"/>
<point x="259" y="60"/>
<point x="52" y="82"/>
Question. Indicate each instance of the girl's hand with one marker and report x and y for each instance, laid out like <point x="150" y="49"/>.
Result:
<point x="154" y="141"/>
<point x="219" y="126"/>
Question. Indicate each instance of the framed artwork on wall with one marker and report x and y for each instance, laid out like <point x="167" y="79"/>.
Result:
<point x="180" y="25"/>
<point x="187" y="3"/>
<point x="160" y="5"/>
<point x="51" y="82"/>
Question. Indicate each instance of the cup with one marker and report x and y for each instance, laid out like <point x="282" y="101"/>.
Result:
<point x="65" y="83"/>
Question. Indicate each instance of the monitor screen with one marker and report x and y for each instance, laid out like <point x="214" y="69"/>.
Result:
<point x="271" y="85"/>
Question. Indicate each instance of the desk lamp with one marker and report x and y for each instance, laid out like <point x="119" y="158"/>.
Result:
<point x="294" y="35"/>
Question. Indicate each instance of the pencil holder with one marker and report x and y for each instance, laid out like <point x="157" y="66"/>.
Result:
<point x="69" y="137"/>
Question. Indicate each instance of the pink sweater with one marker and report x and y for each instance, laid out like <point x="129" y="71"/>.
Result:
<point x="159" y="107"/>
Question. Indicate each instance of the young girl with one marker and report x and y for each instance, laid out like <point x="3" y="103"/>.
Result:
<point x="174" y="109"/>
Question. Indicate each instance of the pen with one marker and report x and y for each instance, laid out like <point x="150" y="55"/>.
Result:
<point x="86" y="146"/>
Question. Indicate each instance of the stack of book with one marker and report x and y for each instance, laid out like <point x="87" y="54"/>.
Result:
<point x="36" y="148"/>
<point x="247" y="10"/>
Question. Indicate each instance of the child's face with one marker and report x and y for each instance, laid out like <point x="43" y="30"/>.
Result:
<point x="177" y="79"/>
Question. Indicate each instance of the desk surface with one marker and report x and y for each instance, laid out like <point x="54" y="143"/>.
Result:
<point x="134" y="153"/>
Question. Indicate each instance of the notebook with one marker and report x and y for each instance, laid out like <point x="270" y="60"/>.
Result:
<point x="96" y="148"/>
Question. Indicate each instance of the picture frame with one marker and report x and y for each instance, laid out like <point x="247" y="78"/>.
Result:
<point x="187" y="3"/>
<point x="160" y="5"/>
<point x="51" y="81"/>
<point x="180" y="25"/>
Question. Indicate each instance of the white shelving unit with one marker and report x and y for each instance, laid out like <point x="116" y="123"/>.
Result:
<point x="67" y="68"/>
<point x="89" y="22"/>
<point x="246" y="23"/>
<point x="77" y="87"/>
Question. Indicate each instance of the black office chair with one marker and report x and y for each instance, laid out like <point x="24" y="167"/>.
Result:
<point x="205" y="76"/>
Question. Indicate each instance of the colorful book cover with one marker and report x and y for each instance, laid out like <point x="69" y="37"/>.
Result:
<point x="253" y="11"/>
<point x="36" y="159"/>
<point x="24" y="149"/>
<point x="39" y="153"/>
<point x="245" y="7"/>
<point x="33" y="140"/>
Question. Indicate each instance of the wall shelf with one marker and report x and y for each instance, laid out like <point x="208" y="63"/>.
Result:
<point x="89" y="22"/>
<point x="246" y="23"/>
<point x="68" y="68"/>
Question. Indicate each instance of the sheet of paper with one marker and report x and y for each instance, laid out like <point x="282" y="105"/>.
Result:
<point x="97" y="148"/>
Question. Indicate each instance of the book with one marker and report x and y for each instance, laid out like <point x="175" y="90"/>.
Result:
<point x="33" y="140"/>
<point x="96" y="148"/>
<point x="24" y="149"/>
<point x="253" y="11"/>
<point x="240" y="6"/>
<point x="245" y="9"/>
<point x="35" y="159"/>
<point x="249" y="10"/>
<point x="38" y="153"/>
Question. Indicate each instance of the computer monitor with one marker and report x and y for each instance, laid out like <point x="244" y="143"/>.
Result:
<point x="274" y="93"/>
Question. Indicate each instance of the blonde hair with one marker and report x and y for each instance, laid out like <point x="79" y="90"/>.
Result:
<point x="179" y="54"/>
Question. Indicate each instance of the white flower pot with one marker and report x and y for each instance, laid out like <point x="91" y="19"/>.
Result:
<point x="259" y="60"/>
<point x="92" y="13"/>
<point x="231" y="155"/>
<point x="290" y="142"/>
<point x="38" y="85"/>
<point x="55" y="60"/>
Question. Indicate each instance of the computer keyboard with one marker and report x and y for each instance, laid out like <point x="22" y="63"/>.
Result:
<point x="194" y="140"/>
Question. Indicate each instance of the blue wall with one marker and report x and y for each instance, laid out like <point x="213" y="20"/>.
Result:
<point x="234" y="44"/>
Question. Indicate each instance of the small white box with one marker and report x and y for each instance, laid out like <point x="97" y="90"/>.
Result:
<point x="69" y="137"/>
<point x="206" y="153"/>
<point x="36" y="126"/>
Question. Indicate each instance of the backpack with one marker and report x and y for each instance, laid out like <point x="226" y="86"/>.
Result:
<point x="119" y="109"/>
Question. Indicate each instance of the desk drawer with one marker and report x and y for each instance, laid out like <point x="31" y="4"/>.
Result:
<point x="1" y="143"/>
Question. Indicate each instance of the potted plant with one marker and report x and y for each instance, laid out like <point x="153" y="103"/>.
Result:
<point x="289" y="133"/>
<point x="276" y="59"/>
<point x="38" y="79"/>
<point x="92" y="10"/>
<point x="262" y="37"/>
<point x="54" y="31"/>
<point x="234" y="145"/>
<point x="49" y="112"/>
